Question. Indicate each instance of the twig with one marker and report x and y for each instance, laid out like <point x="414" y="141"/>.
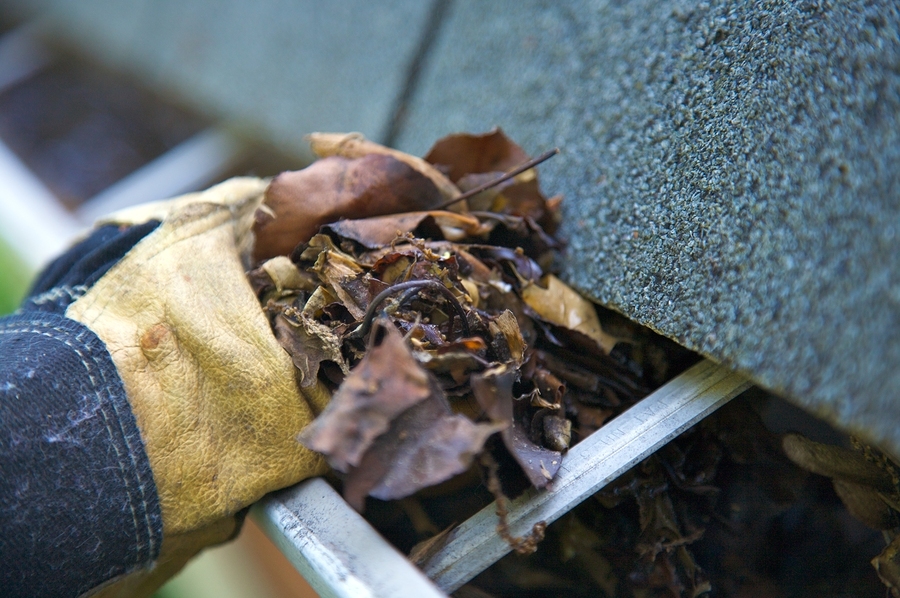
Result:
<point x="369" y="316"/>
<point x="505" y="176"/>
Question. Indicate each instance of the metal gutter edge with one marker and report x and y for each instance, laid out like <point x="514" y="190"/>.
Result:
<point x="334" y="548"/>
<point x="589" y="466"/>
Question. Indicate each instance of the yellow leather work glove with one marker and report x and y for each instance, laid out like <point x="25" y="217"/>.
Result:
<point x="212" y="391"/>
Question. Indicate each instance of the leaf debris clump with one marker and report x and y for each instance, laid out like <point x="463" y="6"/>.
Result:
<point x="418" y="302"/>
<point x="420" y="295"/>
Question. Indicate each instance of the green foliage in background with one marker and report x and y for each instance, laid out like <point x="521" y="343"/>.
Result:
<point x="14" y="279"/>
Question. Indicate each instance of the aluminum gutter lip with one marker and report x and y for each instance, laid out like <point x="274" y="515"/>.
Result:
<point x="334" y="548"/>
<point x="589" y="466"/>
<point x="341" y="555"/>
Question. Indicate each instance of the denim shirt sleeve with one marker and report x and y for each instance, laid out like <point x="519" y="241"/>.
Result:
<point x="78" y="505"/>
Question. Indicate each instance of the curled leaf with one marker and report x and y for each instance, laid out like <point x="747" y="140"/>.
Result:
<point x="339" y="271"/>
<point x="559" y="304"/>
<point x="866" y="504"/>
<point x="334" y="188"/>
<point x="835" y="462"/>
<point x="493" y="391"/>
<point x="506" y="327"/>
<point x="355" y="145"/>
<point x="308" y="342"/>
<point x="285" y="275"/>
<point x="387" y="382"/>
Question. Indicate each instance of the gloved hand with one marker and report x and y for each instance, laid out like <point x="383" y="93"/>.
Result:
<point x="174" y="328"/>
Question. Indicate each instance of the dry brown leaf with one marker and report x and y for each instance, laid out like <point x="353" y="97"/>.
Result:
<point x="334" y="188"/>
<point x="525" y="199"/>
<point x="865" y="503"/>
<point x="493" y="391"/>
<point x="431" y="451"/>
<point x="317" y="302"/>
<point x="836" y="462"/>
<point x="487" y="199"/>
<point x="887" y="565"/>
<point x="560" y="304"/>
<point x="355" y="145"/>
<point x="456" y="359"/>
<point x="465" y="153"/>
<point x="308" y="342"/>
<point x="286" y="277"/>
<point x="507" y="326"/>
<point x="387" y="382"/>
<point x="339" y="271"/>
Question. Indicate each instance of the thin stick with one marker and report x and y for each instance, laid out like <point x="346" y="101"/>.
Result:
<point x="504" y="177"/>
<point x="363" y="328"/>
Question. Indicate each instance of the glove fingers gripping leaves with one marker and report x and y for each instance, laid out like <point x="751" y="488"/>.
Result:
<point x="212" y="390"/>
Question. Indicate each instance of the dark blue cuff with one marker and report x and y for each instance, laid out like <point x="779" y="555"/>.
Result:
<point x="70" y="275"/>
<point x="78" y="505"/>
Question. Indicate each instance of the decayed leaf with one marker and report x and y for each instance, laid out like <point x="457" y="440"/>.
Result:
<point x="355" y="145"/>
<point x="390" y="429"/>
<point x="334" y="188"/>
<point x="338" y="271"/>
<point x="432" y="450"/>
<point x="308" y="343"/>
<point x="559" y="304"/>
<point x="493" y="391"/>
<point x="456" y="359"/>
<point x="458" y="309"/>
<point x="387" y="382"/>
<point x="887" y="565"/>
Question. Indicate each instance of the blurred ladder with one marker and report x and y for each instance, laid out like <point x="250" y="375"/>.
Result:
<point x="36" y="224"/>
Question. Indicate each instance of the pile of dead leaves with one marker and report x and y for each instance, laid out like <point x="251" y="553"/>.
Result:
<point x="433" y="329"/>
<point x="417" y="298"/>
